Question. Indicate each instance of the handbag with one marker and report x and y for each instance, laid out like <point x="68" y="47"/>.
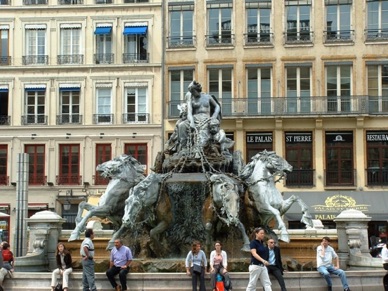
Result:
<point x="58" y="287"/>
<point x="197" y="269"/>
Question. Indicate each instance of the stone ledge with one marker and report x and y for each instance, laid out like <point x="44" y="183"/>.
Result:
<point x="306" y="281"/>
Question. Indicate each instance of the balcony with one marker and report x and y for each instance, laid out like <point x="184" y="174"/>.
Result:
<point x="70" y="2"/>
<point x="377" y="176"/>
<point x="104" y="1"/>
<point x="181" y="41"/>
<point x="298" y="106"/>
<point x="103" y="58"/>
<point x="136" y="117"/>
<point x="69" y="180"/>
<point x="70" y="59"/>
<point x="340" y="178"/>
<point x="69" y="119"/>
<point x="37" y="119"/>
<point x="98" y="180"/>
<point x="36" y="179"/>
<point x="136" y="1"/>
<point x="338" y="36"/>
<point x="35" y="2"/>
<point x="5" y="2"/>
<point x="136" y="58"/>
<point x="300" y="178"/>
<point x="5" y="120"/>
<point x="4" y="180"/>
<point x="35" y="60"/>
<point x="258" y="38"/>
<point x="376" y="34"/>
<point x="5" y="61"/>
<point x="223" y="39"/>
<point x="302" y="37"/>
<point x="103" y="118"/>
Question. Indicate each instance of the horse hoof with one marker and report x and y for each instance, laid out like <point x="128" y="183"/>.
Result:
<point x="110" y="246"/>
<point x="245" y="248"/>
<point x="73" y="237"/>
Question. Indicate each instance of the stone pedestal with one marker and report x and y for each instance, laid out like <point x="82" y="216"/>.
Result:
<point x="352" y="230"/>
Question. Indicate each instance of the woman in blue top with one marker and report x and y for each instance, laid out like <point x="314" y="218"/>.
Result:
<point x="196" y="257"/>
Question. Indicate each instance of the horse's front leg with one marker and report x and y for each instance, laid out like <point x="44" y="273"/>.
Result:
<point x="281" y="226"/>
<point x="116" y="235"/>
<point x="306" y="217"/>
<point x="80" y="226"/>
<point x="81" y="207"/>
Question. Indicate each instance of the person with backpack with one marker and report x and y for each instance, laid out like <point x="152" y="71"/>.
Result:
<point x="8" y="260"/>
<point x="218" y="265"/>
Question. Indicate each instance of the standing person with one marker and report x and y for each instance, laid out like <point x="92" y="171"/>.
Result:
<point x="325" y="256"/>
<point x="195" y="266"/>
<point x="64" y="263"/>
<point x="218" y="265"/>
<point x="384" y="257"/>
<point x="259" y="257"/>
<point x="87" y="253"/>
<point x="275" y="266"/>
<point x="120" y="259"/>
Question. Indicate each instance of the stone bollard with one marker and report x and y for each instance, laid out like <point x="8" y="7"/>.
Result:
<point x="352" y="230"/>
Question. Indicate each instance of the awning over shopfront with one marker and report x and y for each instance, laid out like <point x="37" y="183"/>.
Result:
<point x="327" y="205"/>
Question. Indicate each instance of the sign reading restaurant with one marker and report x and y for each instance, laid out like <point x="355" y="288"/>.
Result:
<point x="376" y="136"/>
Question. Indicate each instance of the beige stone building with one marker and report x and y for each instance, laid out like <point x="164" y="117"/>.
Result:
<point x="81" y="81"/>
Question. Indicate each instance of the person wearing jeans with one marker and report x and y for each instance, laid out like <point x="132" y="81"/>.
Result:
<point x="325" y="256"/>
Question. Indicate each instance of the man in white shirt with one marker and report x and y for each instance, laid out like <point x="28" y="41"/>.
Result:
<point x="325" y="256"/>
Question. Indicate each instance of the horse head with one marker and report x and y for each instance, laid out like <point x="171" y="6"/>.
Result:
<point x="122" y="167"/>
<point x="226" y="198"/>
<point x="143" y="195"/>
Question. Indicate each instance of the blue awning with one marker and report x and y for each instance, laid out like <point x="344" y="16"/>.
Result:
<point x="103" y="30"/>
<point x="70" y="89"/>
<point x="3" y="89"/>
<point x="34" y="89"/>
<point x="130" y="30"/>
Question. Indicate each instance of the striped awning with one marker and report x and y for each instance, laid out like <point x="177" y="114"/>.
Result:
<point x="35" y="87"/>
<point x="69" y="87"/>
<point x="3" y="88"/>
<point x="35" y="26"/>
<point x="71" y="25"/>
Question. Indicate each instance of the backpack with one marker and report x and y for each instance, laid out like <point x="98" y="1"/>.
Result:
<point x="7" y="255"/>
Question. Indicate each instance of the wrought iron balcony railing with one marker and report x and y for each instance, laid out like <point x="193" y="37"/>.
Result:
<point x="181" y="41"/>
<point x="376" y="34"/>
<point x="340" y="177"/>
<point x="377" y="176"/>
<point x="5" y="120"/>
<point x="5" y="61"/>
<point x="136" y="117"/>
<point x="5" y="2"/>
<point x="70" y="2"/>
<point x="35" y="179"/>
<point x="98" y="180"/>
<point x="103" y="118"/>
<point x="300" y="178"/>
<point x="35" y="2"/>
<point x="135" y="58"/>
<point x="104" y="1"/>
<point x="295" y="37"/>
<point x="222" y="39"/>
<point x="258" y="38"/>
<point x="136" y="1"/>
<point x="34" y="119"/>
<point x="298" y="106"/>
<point x="104" y="58"/>
<point x="4" y="180"/>
<point x="335" y="36"/>
<point x="69" y="179"/>
<point x="69" y="119"/>
<point x="70" y="59"/>
<point x="35" y="60"/>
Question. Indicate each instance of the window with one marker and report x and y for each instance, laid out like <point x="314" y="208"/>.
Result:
<point x="70" y="2"/>
<point x="378" y="87"/>
<point x="298" y="21"/>
<point x="104" y="106"/>
<point x="339" y="159"/>
<point x="219" y="23"/>
<point x="338" y="20"/>
<point x="3" y="165"/>
<point x="139" y="152"/>
<point x="179" y="82"/>
<point x="299" y="154"/>
<point x="5" y="59"/>
<point x="34" y="2"/>
<point x="220" y="84"/>
<point x="377" y="22"/>
<point x="35" y="45"/>
<point x="257" y="142"/>
<point x="259" y="90"/>
<point x="104" y="53"/>
<point x="377" y="158"/>
<point x="135" y="43"/>
<point x="103" y="154"/>
<point x="136" y="1"/>
<point x="338" y="87"/>
<point x="69" y="95"/>
<point x="258" y="22"/>
<point x="36" y="165"/>
<point x="181" y="25"/>
<point x="35" y="104"/>
<point x="70" y="48"/>
<point x="4" y="97"/>
<point x="136" y="104"/>
<point x="298" y="86"/>
<point x="69" y="165"/>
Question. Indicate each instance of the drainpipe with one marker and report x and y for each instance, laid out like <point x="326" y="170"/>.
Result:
<point x="163" y="72"/>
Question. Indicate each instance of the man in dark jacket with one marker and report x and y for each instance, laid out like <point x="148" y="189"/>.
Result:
<point x="275" y="266"/>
